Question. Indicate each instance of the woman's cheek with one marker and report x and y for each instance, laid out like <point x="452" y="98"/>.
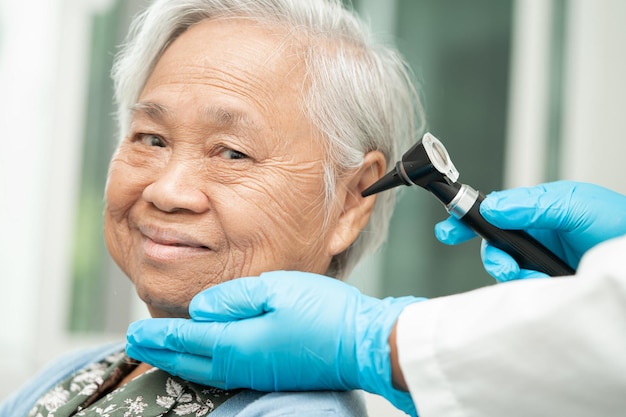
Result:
<point x="128" y="177"/>
<point x="120" y="192"/>
<point x="277" y="219"/>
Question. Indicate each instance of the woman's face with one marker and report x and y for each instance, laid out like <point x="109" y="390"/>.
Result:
<point x="220" y="175"/>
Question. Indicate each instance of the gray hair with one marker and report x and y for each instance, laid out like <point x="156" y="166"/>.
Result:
<point x="360" y="95"/>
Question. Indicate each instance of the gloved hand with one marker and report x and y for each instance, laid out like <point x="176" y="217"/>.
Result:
<point x="278" y="332"/>
<point x="568" y="217"/>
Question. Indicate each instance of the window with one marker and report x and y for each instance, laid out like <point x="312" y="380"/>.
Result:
<point x="101" y="294"/>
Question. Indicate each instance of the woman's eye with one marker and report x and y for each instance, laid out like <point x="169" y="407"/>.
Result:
<point x="232" y="154"/>
<point x="151" y="140"/>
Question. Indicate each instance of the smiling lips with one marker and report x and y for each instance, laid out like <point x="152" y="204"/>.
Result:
<point x="166" y="245"/>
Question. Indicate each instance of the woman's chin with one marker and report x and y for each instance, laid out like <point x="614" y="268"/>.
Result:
<point x="167" y="310"/>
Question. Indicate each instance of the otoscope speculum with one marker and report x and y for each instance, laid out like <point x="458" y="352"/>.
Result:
<point x="427" y="161"/>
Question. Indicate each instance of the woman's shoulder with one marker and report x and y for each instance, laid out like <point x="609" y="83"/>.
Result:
<point x="57" y="370"/>
<point x="296" y="404"/>
<point x="245" y="404"/>
<point x="75" y="360"/>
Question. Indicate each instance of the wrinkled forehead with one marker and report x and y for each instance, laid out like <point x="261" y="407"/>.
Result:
<point x="236" y="57"/>
<point x="238" y="52"/>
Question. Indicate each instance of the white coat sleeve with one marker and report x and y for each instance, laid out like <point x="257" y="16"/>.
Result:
<point x="539" y="347"/>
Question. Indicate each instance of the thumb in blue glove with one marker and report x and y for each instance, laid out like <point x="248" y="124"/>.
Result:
<point x="568" y="217"/>
<point x="278" y="332"/>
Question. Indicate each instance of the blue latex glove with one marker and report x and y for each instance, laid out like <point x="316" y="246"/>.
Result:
<point x="568" y="217"/>
<point x="281" y="331"/>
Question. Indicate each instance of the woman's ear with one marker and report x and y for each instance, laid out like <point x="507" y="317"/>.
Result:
<point x="355" y="210"/>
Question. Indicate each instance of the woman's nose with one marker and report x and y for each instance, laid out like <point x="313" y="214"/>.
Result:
<point x="178" y="187"/>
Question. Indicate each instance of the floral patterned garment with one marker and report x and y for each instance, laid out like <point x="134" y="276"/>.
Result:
<point x="89" y="393"/>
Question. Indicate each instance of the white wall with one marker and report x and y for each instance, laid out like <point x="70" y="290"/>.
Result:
<point x="592" y="145"/>
<point x="43" y="68"/>
<point x="529" y="93"/>
<point x="28" y="52"/>
<point x="594" y="139"/>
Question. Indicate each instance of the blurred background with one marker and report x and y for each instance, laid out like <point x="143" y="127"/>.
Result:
<point x="519" y="91"/>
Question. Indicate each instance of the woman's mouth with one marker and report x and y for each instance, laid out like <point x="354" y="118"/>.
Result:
<point x="167" y="245"/>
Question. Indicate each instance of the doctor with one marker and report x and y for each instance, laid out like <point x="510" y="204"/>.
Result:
<point x="535" y="347"/>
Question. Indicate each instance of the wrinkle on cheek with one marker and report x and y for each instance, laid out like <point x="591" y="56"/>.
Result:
<point x="307" y="195"/>
<point x="293" y="195"/>
<point x="282" y="249"/>
<point x="292" y="216"/>
<point x="238" y="263"/>
<point x="268" y="251"/>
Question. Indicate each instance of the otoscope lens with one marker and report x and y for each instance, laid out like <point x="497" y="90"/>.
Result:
<point x="440" y="154"/>
<point x="439" y="158"/>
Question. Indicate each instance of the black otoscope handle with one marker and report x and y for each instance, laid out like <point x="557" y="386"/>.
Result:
<point x="525" y="249"/>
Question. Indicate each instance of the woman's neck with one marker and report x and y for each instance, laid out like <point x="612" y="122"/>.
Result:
<point x="142" y="368"/>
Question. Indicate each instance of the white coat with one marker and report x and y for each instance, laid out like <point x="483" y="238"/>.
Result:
<point x="541" y="347"/>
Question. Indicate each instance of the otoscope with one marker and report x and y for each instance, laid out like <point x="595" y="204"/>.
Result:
<point x="428" y="165"/>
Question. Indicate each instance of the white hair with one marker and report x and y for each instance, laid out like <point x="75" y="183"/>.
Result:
<point x="360" y="95"/>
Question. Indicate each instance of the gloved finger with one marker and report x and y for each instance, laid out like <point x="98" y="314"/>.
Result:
<point x="194" y="368"/>
<point x="249" y="297"/>
<point x="530" y="274"/>
<point x="452" y="231"/>
<point x="231" y="300"/>
<point x="501" y="266"/>
<point x="176" y="335"/>
<point x="546" y="206"/>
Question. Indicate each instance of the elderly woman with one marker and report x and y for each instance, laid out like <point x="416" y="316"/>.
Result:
<point x="248" y="131"/>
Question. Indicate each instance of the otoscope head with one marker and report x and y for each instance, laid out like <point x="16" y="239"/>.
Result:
<point x="425" y="162"/>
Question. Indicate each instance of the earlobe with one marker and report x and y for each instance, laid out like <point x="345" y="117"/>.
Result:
<point x="355" y="210"/>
